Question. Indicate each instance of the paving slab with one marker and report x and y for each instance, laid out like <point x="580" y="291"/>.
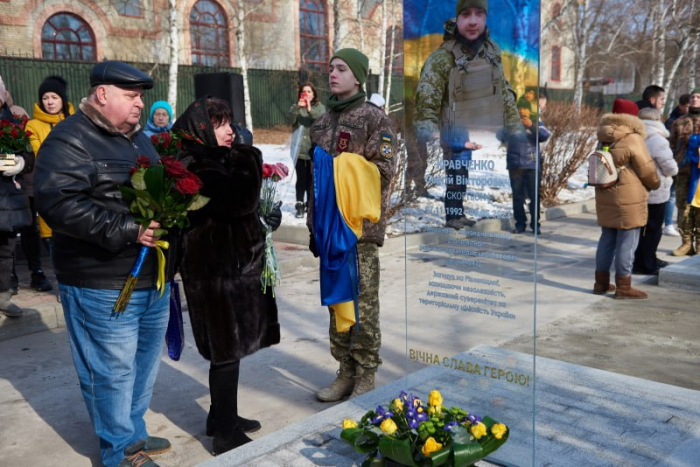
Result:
<point x="583" y="415"/>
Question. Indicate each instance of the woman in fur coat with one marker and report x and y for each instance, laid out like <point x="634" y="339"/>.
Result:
<point x="622" y="208"/>
<point x="221" y="261"/>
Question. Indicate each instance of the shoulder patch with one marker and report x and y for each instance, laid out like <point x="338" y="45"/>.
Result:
<point x="386" y="148"/>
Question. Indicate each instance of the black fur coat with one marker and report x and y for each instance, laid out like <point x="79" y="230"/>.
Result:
<point x="222" y="254"/>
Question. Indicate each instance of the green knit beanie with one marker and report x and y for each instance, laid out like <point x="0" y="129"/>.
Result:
<point x="464" y="4"/>
<point x="695" y="91"/>
<point x="356" y="60"/>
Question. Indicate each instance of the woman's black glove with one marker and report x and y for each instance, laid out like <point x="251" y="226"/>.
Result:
<point x="274" y="218"/>
<point x="312" y="245"/>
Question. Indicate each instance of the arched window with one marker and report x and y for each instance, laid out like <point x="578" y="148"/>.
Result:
<point x="209" y="34"/>
<point x="128" y="7"/>
<point x="313" y="34"/>
<point x="555" y="73"/>
<point x="66" y="36"/>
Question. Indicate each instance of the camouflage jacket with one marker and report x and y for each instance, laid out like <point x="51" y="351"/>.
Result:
<point x="432" y="94"/>
<point x="365" y="130"/>
<point x="681" y="130"/>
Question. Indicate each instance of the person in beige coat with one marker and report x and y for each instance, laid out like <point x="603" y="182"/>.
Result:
<point x="622" y="208"/>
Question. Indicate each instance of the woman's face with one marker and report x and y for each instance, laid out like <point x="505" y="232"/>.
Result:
<point x="224" y="134"/>
<point x="307" y="93"/>
<point x="161" y="117"/>
<point x="52" y="102"/>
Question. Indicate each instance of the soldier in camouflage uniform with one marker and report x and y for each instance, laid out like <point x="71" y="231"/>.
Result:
<point x="462" y="87"/>
<point x="353" y="125"/>
<point x="685" y="133"/>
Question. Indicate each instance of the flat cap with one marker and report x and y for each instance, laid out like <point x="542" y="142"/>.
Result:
<point x="119" y="74"/>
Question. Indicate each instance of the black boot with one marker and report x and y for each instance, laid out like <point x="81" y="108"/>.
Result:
<point x="223" y="386"/>
<point x="247" y="425"/>
<point x="299" y="206"/>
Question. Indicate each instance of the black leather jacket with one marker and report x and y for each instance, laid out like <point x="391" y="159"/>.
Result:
<point x="80" y="167"/>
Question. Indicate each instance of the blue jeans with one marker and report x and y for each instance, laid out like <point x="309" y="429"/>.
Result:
<point x="116" y="358"/>
<point x="619" y="245"/>
<point x="670" y="206"/>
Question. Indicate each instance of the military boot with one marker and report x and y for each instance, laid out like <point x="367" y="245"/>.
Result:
<point x="341" y="387"/>
<point x="8" y="308"/>
<point x="364" y="381"/>
<point x="686" y="247"/>
<point x="300" y="210"/>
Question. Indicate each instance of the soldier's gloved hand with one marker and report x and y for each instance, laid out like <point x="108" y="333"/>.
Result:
<point x="274" y="218"/>
<point x="312" y="245"/>
<point x="12" y="170"/>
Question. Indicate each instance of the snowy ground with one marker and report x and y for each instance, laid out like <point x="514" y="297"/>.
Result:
<point x="489" y="193"/>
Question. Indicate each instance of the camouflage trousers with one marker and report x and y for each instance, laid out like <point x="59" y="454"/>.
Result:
<point x="686" y="221"/>
<point x="362" y="347"/>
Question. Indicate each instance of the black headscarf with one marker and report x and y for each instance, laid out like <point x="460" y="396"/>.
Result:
<point x="195" y="121"/>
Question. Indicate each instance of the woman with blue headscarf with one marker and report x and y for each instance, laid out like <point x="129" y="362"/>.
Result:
<point x="160" y="119"/>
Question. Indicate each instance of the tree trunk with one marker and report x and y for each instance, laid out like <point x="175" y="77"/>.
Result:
<point x="382" y="54"/>
<point x="336" y="26"/>
<point x="174" y="55"/>
<point x="243" y="62"/>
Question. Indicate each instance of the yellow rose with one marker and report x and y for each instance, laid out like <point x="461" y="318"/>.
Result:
<point x="435" y="398"/>
<point x="388" y="426"/>
<point x="478" y="430"/>
<point x="498" y="430"/>
<point x="398" y="405"/>
<point x="431" y="446"/>
<point x="347" y="423"/>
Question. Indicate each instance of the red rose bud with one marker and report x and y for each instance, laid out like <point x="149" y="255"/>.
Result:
<point x="133" y="171"/>
<point x="189" y="185"/>
<point x="154" y="139"/>
<point x="267" y="171"/>
<point x="143" y="162"/>
<point x="173" y="167"/>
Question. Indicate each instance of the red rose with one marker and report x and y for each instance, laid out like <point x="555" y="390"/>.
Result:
<point x="14" y="133"/>
<point x="143" y="162"/>
<point x="133" y="171"/>
<point x="155" y="139"/>
<point x="189" y="185"/>
<point x="267" y="171"/>
<point x="173" y="167"/>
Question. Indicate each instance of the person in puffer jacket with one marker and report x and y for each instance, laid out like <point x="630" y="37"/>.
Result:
<point x="645" y="260"/>
<point x="622" y="208"/>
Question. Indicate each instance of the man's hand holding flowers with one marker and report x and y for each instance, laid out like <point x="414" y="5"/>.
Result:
<point x="147" y="236"/>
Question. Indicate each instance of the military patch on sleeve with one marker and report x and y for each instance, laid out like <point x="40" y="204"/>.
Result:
<point x="386" y="148"/>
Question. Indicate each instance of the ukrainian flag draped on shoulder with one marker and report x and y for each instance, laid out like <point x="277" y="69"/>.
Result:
<point x="347" y="190"/>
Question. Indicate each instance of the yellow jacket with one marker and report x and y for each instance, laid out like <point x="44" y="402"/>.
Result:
<point x="40" y="126"/>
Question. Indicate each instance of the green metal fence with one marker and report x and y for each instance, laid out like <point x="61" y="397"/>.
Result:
<point x="272" y="92"/>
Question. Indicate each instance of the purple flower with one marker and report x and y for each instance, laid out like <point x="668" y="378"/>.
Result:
<point x="450" y="425"/>
<point x="415" y="417"/>
<point x="382" y="414"/>
<point x="474" y="418"/>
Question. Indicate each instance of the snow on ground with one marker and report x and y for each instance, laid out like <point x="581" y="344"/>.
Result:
<point x="488" y="191"/>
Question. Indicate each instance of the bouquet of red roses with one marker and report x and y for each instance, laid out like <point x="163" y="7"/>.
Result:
<point x="165" y="193"/>
<point x="272" y="173"/>
<point x="14" y="139"/>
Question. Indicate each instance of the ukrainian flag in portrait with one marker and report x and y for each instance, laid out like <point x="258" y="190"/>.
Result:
<point x="347" y="190"/>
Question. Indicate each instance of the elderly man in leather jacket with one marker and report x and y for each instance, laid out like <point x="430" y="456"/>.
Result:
<point x="82" y="164"/>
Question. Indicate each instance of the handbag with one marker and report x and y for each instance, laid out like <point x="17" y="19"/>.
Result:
<point x="175" y="334"/>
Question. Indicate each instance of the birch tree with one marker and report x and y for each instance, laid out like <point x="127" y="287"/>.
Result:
<point x="240" y="33"/>
<point x="174" y="54"/>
